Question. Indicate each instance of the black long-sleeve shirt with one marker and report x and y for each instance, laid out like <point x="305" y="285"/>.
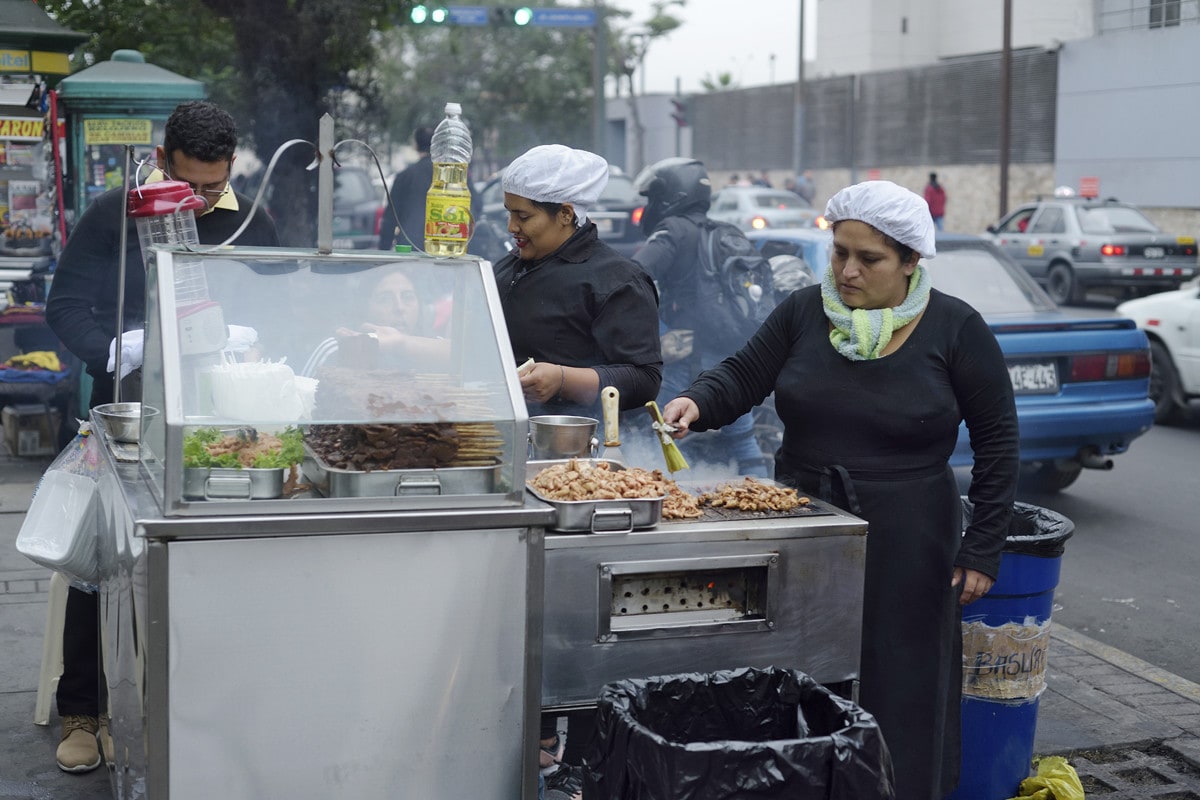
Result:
<point x="887" y="416"/>
<point x="82" y="306"/>
<point x="585" y="305"/>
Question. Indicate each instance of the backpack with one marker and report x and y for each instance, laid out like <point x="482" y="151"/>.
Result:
<point x="742" y="278"/>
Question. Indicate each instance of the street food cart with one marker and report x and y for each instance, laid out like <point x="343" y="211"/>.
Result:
<point x="322" y="631"/>
<point x="357" y="628"/>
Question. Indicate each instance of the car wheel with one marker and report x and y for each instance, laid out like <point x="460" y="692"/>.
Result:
<point x="1164" y="386"/>
<point x="1049" y="477"/>
<point x="1061" y="284"/>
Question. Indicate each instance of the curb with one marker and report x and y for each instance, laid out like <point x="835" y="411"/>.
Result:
<point x="1129" y="663"/>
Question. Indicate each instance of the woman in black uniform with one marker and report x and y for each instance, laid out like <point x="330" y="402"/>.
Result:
<point x="872" y="372"/>
<point x="587" y="316"/>
<point x="584" y="313"/>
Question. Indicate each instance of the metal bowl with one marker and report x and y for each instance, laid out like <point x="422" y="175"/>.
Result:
<point x="562" y="436"/>
<point x="123" y="421"/>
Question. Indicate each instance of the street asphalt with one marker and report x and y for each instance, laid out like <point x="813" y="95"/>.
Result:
<point x="1130" y="729"/>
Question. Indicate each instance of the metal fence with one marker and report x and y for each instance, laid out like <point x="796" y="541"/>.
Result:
<point x="944" y="113"/>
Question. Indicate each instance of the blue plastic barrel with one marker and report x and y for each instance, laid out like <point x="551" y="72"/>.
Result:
<point x="1005" y="637"/>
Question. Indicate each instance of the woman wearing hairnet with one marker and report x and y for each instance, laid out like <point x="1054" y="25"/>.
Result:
<point x="872" y="372"/>
<point x="585" y="314"/>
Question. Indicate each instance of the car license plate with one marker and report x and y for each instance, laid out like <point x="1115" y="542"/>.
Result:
<point x="603" y="225"/>
<point x="1154" y="252"/>
<point x="1034" y="378"/>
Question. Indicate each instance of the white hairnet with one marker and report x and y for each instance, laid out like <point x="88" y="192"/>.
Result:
<point x="889" y="209"/>
<point x="555" y="173"/>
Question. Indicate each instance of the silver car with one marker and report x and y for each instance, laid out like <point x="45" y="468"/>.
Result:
<point x="1072" y="244"/>
<point x="753" y="208"/>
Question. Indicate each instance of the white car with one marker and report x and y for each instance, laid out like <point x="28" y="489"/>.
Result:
<point x="1171" y="320"/>
<point x="754" y="208"/>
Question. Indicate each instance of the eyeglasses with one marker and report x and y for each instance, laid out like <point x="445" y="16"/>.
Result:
<point x="210" y="191"/>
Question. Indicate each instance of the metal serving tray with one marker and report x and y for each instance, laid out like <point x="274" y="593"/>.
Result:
<point x="228" y="483"/>
<point x="331" y="481"/>
<point x="597" y="516"/>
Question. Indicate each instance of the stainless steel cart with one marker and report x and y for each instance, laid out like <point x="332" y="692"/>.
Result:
<point x="725" y="591"/>
<point x="356" y="639"/>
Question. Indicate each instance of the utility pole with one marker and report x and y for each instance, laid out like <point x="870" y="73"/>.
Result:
<point x="1005" y="104"/>
<point x="798" y="106"/>
<point x="678" y="127"/>
<point x="599" y="70"/>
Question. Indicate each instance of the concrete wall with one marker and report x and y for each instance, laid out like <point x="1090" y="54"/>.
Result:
<point x="858" y="36"/>
<point x="1129" y="113"/>
<point x="1120" y="106"/>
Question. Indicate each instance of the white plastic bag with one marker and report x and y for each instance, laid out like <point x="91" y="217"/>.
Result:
<point x="60" y="529"/>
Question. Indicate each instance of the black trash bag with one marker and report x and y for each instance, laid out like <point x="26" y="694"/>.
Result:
<point x="1034" y="530"/>
<point x="733" y="735"/>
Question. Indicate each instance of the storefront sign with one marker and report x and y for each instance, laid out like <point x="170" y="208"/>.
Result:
<point x="117" y="131"/>
<point x="31" y="61"/>
<point x="27" y="128"/>
<point x="15" y="61"/>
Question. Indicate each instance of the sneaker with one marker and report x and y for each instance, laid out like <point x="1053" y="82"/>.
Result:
<point x="565" y="783"/>
<point x="78" y="751"/>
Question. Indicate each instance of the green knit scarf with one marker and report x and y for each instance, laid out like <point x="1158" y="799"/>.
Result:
<point x="860" y="334"/>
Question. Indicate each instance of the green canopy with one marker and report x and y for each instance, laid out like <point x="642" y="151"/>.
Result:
<point x="126" y="81"/>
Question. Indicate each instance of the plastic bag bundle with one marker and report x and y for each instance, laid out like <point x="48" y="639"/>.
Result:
<point x="1055" y="780"/>
<point x="60" y="529"/>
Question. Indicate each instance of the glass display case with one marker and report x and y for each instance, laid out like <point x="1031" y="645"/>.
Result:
<point x="278" y="381"/>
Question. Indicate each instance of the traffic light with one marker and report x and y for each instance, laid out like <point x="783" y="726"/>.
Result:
<point x="679" y="112"/>
<point x="428" y="15"/>
<point x="519" y="17"/>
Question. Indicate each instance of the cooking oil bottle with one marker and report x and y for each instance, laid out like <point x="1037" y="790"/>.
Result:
<point x="448" y="221"/>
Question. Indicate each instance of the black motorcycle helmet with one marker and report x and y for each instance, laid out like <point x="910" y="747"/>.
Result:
<point x="673" y="186"/>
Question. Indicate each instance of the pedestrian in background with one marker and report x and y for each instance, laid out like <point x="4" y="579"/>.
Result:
<point x="806" y="187"/>
<point x="935" y="197"/>
<point x="409" y="188"/>
<point x="873" y="370"/>
<point x="588" y="318"/>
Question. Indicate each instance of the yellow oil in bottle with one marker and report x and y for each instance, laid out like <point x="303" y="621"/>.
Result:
<point x="448" y="220"/>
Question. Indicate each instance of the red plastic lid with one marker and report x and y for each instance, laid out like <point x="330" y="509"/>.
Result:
<point x="162" y="198"/>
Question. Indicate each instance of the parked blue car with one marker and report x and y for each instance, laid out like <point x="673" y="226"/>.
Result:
<point x="1081" y="383"/>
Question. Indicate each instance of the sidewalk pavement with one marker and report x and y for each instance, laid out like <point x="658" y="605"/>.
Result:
<point x="1130" y="729"/>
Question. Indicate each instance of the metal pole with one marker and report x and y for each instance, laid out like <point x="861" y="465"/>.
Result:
<point x="798" y="106"/>
<point x="599" y="70"/>
<point x="325" y="185"/>
<point x="121" y="269"/>
<point x="1005" y="105"/>
<point x="678" y="127"/>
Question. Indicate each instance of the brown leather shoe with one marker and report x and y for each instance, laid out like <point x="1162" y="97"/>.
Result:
<point x="78" y="751"/>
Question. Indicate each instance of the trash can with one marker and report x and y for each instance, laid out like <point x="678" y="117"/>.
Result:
<point x="1006" y="634"/>
<point x="762" y="733"/>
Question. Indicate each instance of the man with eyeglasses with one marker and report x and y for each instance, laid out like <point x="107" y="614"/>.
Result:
<point x="198" y="148"/>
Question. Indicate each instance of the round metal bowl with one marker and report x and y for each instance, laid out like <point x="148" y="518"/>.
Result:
<point x="123" y="421"/>
<point x="562" y="436"/>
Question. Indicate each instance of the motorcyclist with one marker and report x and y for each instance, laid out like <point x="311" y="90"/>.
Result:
<point x="678" y="192"/>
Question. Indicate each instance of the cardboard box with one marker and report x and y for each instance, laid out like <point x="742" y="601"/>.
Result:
<point x="30" y="430"/>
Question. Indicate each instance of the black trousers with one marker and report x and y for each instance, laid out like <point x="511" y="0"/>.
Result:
<point x="79" y="686"/>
